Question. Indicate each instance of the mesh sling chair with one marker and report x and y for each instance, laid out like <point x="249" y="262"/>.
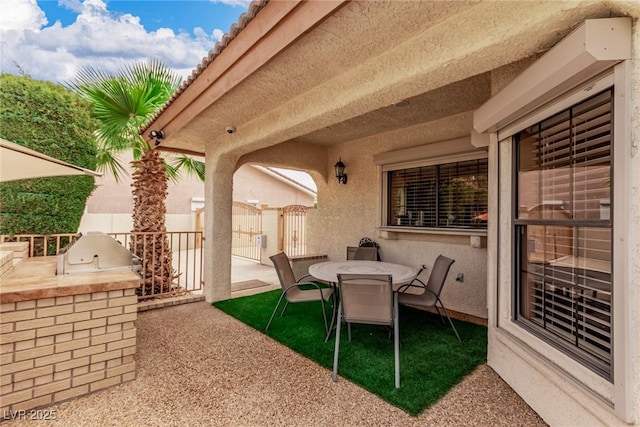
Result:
<point x="431" y="295"/>
<point x="366" y="242"/>
<point x="367" y="299"/>
<point x="292" y="291"/>
<point x="362" y="253"/>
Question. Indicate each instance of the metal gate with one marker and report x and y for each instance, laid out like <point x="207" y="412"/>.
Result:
<point x="246" y="223"/>
<point x="294" y="225"/>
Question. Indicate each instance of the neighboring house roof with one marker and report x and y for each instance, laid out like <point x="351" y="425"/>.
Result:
<point x="287" y="179"/>
<point x="115" y="197"/>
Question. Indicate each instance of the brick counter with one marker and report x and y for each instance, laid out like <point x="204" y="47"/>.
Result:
<point x="64" y="336"/>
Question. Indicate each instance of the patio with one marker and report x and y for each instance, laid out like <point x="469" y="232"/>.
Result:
<point x="213" y="370"/>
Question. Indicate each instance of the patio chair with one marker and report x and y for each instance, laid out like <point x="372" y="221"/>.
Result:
<point x="367" y="299"/>
<point x="431" y="295"/>
<point x="292" y="289"/>
<point x="362" y="253"/>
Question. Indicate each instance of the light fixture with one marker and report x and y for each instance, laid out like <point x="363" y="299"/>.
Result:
<point x="158" y="135"/>
<point x="340" y="175"/>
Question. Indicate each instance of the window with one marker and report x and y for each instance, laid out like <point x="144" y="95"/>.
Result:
<point x="563" y="230"/>
<point x="451" y="195"/>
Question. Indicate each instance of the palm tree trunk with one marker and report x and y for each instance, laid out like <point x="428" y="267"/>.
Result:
<point x="149" y="240"/>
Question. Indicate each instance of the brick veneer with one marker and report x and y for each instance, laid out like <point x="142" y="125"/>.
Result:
<point x="53" y="349"/>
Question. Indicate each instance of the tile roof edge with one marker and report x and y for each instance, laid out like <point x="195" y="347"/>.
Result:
<point x="254" y="8"/>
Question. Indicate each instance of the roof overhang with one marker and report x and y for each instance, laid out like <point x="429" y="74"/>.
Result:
<point x="272" y="28"/>
<point x="595" y="46"/>
<point x="325" y="73"/>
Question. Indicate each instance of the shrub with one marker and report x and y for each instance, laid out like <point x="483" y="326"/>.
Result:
<point x="53" y="120"/>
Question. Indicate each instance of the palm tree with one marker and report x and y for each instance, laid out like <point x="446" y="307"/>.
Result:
<point x="123" y="102"/>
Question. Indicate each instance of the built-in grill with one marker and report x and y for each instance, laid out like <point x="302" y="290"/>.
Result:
<point x="95" y="251"/>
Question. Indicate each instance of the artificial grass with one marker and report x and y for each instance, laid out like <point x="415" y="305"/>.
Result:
<point x="432" y="360"/>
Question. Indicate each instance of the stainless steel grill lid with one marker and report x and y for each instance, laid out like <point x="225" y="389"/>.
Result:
<point x="92" y="252"/>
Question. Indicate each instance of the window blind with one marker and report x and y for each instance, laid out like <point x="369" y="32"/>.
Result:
<point x="564" y="228"/>
<point x="452" y="195"/>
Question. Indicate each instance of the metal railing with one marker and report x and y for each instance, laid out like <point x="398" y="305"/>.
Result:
<point x="185" y="248"/>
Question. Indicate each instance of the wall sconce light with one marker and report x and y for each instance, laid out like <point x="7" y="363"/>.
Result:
<point x="158" y="135"/>
<point x="340" y="175"/>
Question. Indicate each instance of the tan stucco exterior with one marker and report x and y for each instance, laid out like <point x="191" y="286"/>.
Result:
<point x="110" y="205"/>
<point x="322" y="84"/>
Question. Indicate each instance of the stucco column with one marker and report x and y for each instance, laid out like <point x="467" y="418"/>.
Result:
<point x="217" y="232"/>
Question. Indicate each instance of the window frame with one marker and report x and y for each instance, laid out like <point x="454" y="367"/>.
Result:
<point x="439" y="153"/>
<point x="537" y="351"/>
<point x="598" y="86"/>
<point x="575" y="350"/>
<point x="440" y="174"/>
<point x="494" y="117"/>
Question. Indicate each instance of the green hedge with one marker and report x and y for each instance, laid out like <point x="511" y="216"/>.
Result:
<point x="51" y="119"/>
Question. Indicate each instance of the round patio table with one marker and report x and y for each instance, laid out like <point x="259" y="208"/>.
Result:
<point x="400" y="274"/>
<point x="329" y="270"/>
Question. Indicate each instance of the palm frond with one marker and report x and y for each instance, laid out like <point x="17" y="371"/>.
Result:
<point x="188" y="165"/>
<point x="172" y="172"/>
<point x="125" y="100"/>
<point x="107" y="162"/>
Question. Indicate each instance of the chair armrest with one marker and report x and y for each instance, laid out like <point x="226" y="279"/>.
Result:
<point x="298" y="284"/>
<point x="314" y="278"/>
<point x="415" y="283"/>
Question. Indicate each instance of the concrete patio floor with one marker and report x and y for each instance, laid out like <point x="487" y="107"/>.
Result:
<point x="197" y="366"/>
<point x="244" y="270"/>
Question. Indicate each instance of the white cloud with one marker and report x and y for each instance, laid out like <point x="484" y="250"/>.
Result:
<point x="239" y="3"/>
<point x="21" y="15"/>
<point x="217" y="34"/>
<point x="97" y="38"/>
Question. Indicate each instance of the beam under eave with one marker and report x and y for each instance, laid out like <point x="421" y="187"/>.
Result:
<point x="472" y="52"/>
<point x="272" y="30"/>
<point x="179" y="151"/>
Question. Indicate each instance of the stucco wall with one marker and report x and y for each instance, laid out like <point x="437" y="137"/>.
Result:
<point x="251" y="184"/>
<point x="349" y="212"/>
<point x="122" y="222"/>
<point x="111" y="197"/>
<point x="633" y="198"/>
<point x="109" y="207"/>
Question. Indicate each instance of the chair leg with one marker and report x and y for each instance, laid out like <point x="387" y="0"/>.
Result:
<point x="274" y="311"/>
<point x="450" y="322"/>
<point x="324" y="316"/>
<point x="336" y="350"/>
<point x="349" y="332"/>
<point x="396" y="339"/>
<point x="286" y="304"/>
<point x="334" y="314"/>
<point x="440" y="314"/>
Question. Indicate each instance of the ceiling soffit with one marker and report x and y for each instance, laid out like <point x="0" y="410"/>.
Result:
<point x="352" y="34"/>
<point x="340" y="80"/>
<point x="449" y="100"/>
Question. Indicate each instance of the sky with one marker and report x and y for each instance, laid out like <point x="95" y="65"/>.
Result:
<point x="52" y="39"/>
